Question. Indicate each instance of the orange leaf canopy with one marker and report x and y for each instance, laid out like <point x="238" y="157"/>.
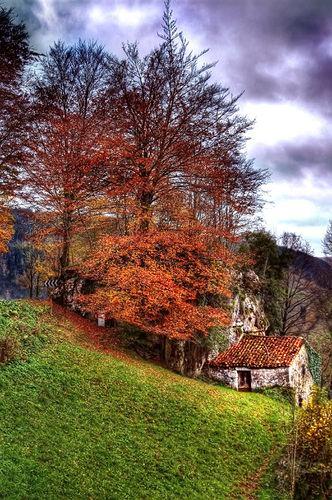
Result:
<point x="6" y="228"/>
<point x="167" y="283"/>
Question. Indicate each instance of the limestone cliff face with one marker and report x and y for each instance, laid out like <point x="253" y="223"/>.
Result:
<point x="246" y="311"/>
<point x="68" y="290"/>
<point x="248" y="316"/>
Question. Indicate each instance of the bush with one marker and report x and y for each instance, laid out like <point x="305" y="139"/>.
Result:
<point x="9" y="348"/>
<point x="305" y="468"/>
<point x="314" y="449"/>
<point x="22" y="330"/>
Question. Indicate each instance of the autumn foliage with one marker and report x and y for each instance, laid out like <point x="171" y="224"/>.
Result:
<point x="314" y="453"/>
<point x="166" y="283"/>
<point x="65" y="176"/>
<point x="6" y="228"/>
<point x="179" y="191"/>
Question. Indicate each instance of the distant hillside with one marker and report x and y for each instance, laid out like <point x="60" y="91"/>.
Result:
<point x="328" y="260"/>
<point x="12" y="264"/>
<point x="316" y="269"/>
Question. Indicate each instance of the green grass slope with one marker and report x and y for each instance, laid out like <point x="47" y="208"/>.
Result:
<point x="76" y="423"/>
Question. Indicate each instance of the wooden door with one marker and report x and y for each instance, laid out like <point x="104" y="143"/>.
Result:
<point x="244" y="380"/>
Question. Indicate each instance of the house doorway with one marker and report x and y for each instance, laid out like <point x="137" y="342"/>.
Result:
<point x="244" y="380"/>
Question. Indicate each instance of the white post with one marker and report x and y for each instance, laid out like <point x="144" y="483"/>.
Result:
<point x="101" y="319"/>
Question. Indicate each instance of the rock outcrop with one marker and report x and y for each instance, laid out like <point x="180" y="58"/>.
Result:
<point x="248" y="316"/>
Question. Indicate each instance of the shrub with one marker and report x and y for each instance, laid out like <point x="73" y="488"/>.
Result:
<point x="305" y="468"/>
<point x="9" y="348"/>
<point x="22" y="330"/>
<point x="314" y="448"/>
<point x="282" y="394"/>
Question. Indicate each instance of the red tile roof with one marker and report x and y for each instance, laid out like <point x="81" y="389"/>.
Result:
<point x="258" y="351"/>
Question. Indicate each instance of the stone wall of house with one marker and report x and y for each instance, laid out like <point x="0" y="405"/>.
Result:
<point x="269" y="377"/>
<point x="297" y="376"/>
<point x="260" y="377"/>
<point x="224" y="376"/>
<point x="300" y="376"/>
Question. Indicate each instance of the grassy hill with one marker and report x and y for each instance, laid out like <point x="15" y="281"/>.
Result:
<point x="78" y="423"/>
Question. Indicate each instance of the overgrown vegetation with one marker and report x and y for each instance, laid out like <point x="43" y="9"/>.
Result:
<point x="314" y="447"/>
<point x="305" y="471"/>
<point x="76" y="423"/>
<point x="22" y="330"/>
<point x="315" y="365"/>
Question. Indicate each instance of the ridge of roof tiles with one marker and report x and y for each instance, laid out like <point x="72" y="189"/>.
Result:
<point x="259" y="351"/>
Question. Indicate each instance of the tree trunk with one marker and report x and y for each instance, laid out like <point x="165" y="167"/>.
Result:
<point x="146" y="200"/>
<point x="65" y="252"/>
<point x="184" y="356"/>
<point x="37" y="286"/>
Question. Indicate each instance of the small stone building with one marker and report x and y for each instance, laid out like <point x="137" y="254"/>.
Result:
<point x="259" y="361"/>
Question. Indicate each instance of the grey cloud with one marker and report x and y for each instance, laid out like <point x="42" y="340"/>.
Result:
<point x="292" y="160"/>
<point x="69" y="20"/>
<point x="255" y="40"/>
<point x="266" y="34"/>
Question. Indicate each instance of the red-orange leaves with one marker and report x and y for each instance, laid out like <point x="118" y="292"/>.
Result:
<point x="6" y="228"/>
<point x="167" y="283"/>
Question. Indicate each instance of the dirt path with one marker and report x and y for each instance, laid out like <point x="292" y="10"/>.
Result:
<point x="251" y="484"/>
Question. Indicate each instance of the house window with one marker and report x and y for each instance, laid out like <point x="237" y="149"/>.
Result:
<point x="303" y="370"/>
<point x="244" y="380"/>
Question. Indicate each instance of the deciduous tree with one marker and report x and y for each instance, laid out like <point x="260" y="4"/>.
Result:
<point x="182" y="189"/>
<point x="327" y="241"/>
<point x="32" y="278"/>
<point x="14" y="56"/>
<point x="301" y="297"/>
<point x="6" y="227"/>
<point x="68" y="147"/>
<point x="184" y="136"/>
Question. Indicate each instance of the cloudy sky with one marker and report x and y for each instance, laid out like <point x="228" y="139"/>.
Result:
<point x="278" y="51"/>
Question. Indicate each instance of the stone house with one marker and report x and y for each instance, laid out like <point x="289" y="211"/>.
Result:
<point x="259" y="361"/>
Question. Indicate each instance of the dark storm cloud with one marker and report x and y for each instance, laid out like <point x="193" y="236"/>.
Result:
<point x="277" y="51"/>
<point x="272" y="49"/>
<point x="50" y="20"/>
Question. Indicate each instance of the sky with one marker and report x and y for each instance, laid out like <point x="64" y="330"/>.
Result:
<point x="278" y="52"/>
